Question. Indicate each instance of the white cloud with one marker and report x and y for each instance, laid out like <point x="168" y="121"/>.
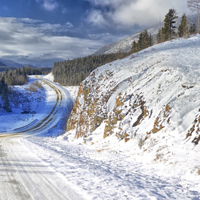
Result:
<point x="142" y="12"/>
<point x="96" y="18"/>
<point x="34" y="42"/>
<point x="69" y="25"/>
<point x="48" y="5"/>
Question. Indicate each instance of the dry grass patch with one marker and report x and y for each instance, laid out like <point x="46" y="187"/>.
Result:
<point x="34" y="86"/>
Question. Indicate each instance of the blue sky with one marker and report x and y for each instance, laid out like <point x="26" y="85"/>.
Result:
<point x="40" y="32"/>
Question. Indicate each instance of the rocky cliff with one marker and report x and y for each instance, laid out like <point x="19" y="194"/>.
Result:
<point x="149" y="100"/>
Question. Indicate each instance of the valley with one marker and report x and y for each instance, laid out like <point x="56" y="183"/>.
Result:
<point x="131" y="134"/>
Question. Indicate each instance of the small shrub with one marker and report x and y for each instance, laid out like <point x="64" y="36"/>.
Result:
<point x="33" y="88"/>
<point x="39" y="85"/>
<point x="158" y="156"/>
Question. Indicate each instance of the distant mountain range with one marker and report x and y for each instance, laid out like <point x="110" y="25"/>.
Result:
<point x="9" y="64"/>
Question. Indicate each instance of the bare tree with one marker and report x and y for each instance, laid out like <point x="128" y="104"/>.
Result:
<point x="194" y="5"/>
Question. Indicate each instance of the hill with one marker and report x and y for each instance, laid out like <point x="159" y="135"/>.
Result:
<point x="146" y="105"/>
<point x="125" y="44"/>
<point x="4" y="64"/>
<point x="10" y="63"/>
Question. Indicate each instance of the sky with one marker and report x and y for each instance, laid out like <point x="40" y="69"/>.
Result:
<point x="41" y="32"/>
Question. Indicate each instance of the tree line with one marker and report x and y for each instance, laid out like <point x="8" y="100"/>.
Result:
<point x="4" y="93"/>
<point x="170" y="31"/>
<point x="13" y="77"/>
<point x="19" y="76"/>
<point x="145" y="40"/>
<point x="73" y="72"/>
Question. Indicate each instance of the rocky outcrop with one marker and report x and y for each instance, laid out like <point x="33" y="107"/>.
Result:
<point x="142" y="95"/>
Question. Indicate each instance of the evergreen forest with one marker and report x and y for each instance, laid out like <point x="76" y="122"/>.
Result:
<point x="73" y="72"/>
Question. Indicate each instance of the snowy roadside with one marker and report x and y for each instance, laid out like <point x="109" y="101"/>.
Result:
<point x="26" y="100"/>
<point x="110" y="175"/>
<point x="112" y="169"/>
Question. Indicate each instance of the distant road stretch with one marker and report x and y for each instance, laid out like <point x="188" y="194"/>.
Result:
<point x="51" y="119"/>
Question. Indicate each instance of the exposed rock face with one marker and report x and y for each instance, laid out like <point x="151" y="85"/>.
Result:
<point x="90" y="109"/>
<point x="139" y="96"/>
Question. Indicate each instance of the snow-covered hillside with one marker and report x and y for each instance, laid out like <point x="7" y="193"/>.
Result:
<point x="126" y="43"/>
<point x="146" y="105"/>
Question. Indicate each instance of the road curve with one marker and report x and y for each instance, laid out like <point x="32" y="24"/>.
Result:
<point x="22" y="175"/>
<point x="53" y="117"/>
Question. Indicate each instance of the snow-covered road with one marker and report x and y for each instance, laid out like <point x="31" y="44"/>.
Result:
<point x="56" y="113"/>
<point x="22" y="174"/>
<point x="102" y="175"/>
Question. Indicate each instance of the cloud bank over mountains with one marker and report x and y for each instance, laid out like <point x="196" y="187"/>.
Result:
<point x="39" y="43"/>
<point x="57" y="30"/>
<point x="131" y="12"/>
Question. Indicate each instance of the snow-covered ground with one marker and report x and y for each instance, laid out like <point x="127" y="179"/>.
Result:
<point x="29" y="108"/>
<point x="147" y="109"/>
<point x="23" y="99"/>
<point x="98" y="174"/>
<point x="163" y="166"/>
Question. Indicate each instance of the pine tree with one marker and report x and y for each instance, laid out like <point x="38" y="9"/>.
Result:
<point x="150" y="40"/>
<point x="145" y="40"/>
<point x="192" y="29"/>
<point x="5" y="95"/>
<point x="168" y="30"/>
<point x="134" y="48"/>
<point x="182" y="29"/>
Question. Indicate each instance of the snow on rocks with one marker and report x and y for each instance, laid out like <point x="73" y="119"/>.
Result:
<point x="146" y="105"/>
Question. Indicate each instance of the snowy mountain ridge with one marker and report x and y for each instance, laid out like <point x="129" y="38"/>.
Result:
<point x="125" y="44"/>
<point x="146" y="105"/>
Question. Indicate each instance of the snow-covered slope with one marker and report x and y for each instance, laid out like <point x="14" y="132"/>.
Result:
<point x="126" y="43"/>
<point x="146" y="105"/>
